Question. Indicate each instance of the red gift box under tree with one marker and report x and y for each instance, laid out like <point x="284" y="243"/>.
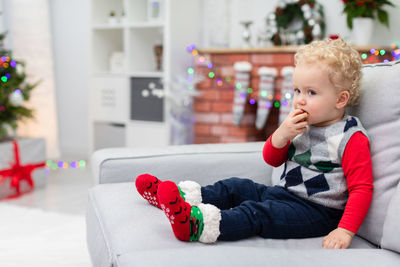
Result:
<point x="18" y="173"/>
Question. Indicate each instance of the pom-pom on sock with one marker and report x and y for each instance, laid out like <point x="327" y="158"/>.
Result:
<point x="147" y="186"/>
<point x="186" y="221"/>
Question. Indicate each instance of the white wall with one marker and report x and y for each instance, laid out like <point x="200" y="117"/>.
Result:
<point x="29" y="37"/>
<point x="70" y="30"/>
<point x="257" y="10"/>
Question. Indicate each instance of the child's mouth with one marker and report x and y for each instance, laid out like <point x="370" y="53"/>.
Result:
<point x="305" y="119"/>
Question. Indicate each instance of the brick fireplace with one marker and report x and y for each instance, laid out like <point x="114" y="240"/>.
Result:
<point x="213" y="108"/>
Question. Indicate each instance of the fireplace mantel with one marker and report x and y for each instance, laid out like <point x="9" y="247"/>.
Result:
<point x="275" y="49"/>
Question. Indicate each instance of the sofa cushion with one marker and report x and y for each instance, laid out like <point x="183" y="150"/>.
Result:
<point x="258" y="256"/>
<point x="119" y="221"/>
<point x="391" y="227"/>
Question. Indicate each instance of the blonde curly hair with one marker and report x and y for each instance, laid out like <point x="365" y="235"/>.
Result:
<point x="342" y="62"/>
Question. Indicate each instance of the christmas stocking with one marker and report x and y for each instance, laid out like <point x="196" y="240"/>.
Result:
<point x="147" y="186"/>
<point x="286" y="93"/>
<point x="188" y="222"/>
<point x="265" y="94"/>
<point x="242" y="80"/>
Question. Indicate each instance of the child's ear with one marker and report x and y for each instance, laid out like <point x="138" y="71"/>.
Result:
<point x="342" y="100"/>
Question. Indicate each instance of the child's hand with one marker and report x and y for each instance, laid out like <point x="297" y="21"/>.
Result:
<point x="294" y="124"/>
<point x="338" y="238"/>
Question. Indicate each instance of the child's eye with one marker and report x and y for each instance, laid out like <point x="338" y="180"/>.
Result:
<point x="312" y="92"/>
<point x="297" y="91"/>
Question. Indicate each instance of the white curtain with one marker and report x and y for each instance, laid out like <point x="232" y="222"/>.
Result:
<point x="31" y="43"/>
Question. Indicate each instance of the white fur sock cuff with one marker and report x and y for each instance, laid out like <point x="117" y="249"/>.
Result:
<point x="192" y="192"/>
<point x="267" y="71"/>
<point x="242" y="66"/>
<point x="211" y="219"/>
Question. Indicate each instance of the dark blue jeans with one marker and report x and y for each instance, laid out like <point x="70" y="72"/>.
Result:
<point x="250" y="209"/>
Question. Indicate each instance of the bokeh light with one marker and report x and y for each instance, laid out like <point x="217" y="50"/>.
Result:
<point x="60" y="165"/>
<point x="364" y="56"/>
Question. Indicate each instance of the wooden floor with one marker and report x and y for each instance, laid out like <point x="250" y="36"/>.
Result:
<point x="65" y="192"/>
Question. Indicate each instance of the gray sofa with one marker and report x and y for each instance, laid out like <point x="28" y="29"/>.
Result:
<point x="124" y="230"/>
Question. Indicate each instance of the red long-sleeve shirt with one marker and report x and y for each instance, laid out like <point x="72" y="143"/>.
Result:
<point x="357" y="168"/>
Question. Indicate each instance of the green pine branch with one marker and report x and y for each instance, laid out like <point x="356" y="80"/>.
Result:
<point x="12" y="78"/>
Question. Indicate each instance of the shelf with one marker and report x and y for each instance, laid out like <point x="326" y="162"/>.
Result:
<point x="118" y="109"/>
<point x="145" y="123"/>
<point x="155" y="74"/>
<point x="106" y="26"/>
<point x="135" y="25"/>
<point x="105" y="43"/>
<point x="141" y="54"/>
<point x="137" y="74"/>
<point x="110" y="74"/>
<point x="101" y="10"/>
<point x="146" y="25"/>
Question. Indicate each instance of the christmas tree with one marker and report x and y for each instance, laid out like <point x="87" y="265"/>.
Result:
<point x="14" y="90"/>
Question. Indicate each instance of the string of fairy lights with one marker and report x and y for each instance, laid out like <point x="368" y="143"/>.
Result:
<point x="226" y="82"/>
<point x="374" y="56"/>
<point x="6" y="62"/>
<point x="57" y="165"/>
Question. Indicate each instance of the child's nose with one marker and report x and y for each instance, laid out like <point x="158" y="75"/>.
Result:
<point x="300" y="100"/>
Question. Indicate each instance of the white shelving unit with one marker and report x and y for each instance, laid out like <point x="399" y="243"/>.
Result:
<point x="135" y="36"/>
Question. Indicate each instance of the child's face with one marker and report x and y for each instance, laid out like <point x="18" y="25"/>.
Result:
<point x="316" y="95"/>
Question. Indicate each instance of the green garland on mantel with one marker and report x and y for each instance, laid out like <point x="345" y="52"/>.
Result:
<point x="309" y="12"/>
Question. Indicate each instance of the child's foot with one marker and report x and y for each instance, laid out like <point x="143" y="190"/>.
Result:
<point x="147" y="186"/>
<point x="186" y="220"/>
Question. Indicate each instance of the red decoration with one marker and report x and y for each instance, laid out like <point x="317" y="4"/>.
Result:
<point x="19" y="173"/>
<point x="333" y="36"/>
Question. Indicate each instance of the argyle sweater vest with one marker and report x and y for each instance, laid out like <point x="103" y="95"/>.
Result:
<point x="313" y="170"/>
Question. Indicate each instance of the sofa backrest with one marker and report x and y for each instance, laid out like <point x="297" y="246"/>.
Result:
<point x="391" y="229"/>
<point x="379" y="112"/>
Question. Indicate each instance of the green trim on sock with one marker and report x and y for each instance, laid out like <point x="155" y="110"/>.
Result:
<point x="196" y="223"/>
<point x="181" y="193"/>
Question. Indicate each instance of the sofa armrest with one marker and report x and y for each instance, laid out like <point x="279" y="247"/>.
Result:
<point x="205" y="163"/>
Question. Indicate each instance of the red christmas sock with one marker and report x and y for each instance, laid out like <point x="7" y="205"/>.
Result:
<point x="186" y="221"/>
<point x="147" y="186"/>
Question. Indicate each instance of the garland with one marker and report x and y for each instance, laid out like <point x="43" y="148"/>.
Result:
<point x="309" y="12"/>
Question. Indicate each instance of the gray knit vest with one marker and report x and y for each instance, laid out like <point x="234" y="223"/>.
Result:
<point x="313" y="170"/>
